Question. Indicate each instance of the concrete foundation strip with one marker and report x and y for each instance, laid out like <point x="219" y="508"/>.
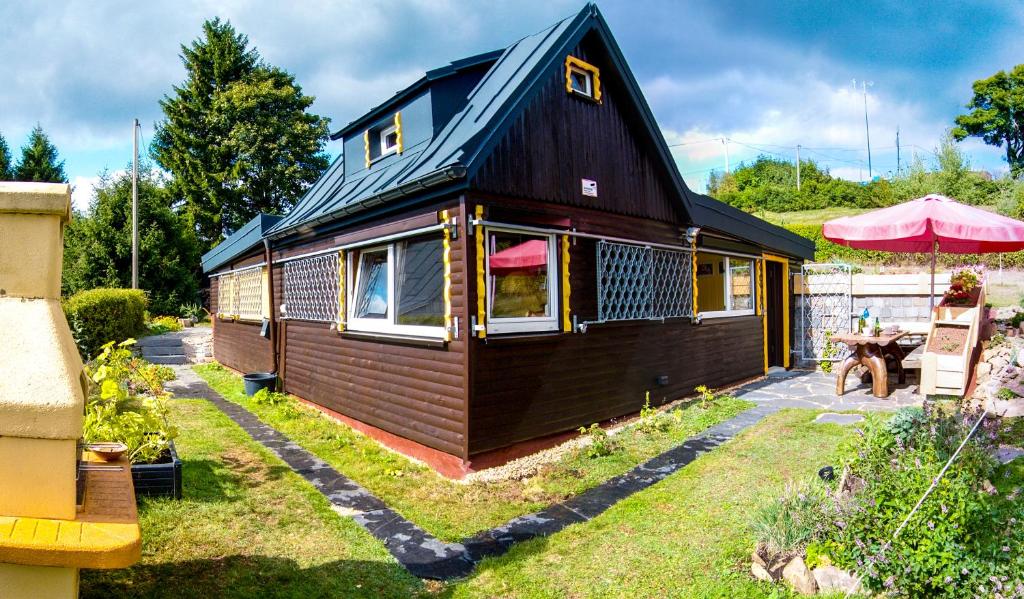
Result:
<point x="423" y="554"/>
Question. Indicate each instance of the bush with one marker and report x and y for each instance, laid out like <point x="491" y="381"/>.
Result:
<point x="601" y="444"/>
<point x="163" y="324"/>
<point x="789" y="523"/>
<point x="101" y="315"/>
<point x="965" y="538"/>
<point x="270" y="398"/>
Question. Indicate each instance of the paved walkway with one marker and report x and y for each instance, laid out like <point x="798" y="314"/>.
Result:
<point x="817" y="391"/>
<point x="420" y="552"/>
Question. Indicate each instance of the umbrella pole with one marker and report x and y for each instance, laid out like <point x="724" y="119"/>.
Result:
<point x="931" y="298"/>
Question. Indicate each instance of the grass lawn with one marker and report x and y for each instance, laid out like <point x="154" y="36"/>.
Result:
<point x="808" y="217"/>
<point x="247" y="527"/>
<point x="452" y="510"/>
<point x="687" y="536"/>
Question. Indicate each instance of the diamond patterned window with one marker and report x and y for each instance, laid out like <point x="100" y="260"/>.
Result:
<point x="312" y="288"/>
<point x="240" y="294"/>
<point x="642" y="283"/>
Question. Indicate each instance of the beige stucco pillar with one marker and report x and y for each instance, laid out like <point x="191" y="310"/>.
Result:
<point x="42" y="390"/>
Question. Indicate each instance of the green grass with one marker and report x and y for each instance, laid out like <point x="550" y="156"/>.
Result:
<point x="688" y="536"/>
<point x="452" y="510"/>
<point x="808" y="217"/>
<point x="247" y="526"/>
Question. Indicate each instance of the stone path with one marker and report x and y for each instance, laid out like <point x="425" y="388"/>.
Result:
<point x="187" y="346"/>
<point x="817" y="391"/>
<point x="420" y="552"/>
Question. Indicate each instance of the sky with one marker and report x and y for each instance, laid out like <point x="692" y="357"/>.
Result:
<point x="762" y="76"/>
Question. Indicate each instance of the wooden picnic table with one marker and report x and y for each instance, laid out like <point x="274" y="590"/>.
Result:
<point x="871" y="352"/>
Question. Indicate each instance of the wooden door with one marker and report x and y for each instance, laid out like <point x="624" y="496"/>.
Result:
<point x="774" y="289"/>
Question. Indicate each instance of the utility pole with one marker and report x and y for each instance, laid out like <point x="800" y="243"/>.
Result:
<point x="725" y="142"/>
<point x="798" y="167"/>
<point x="897" y="150"/>
<point x="135" y="204"/>
<point x="867" y="130"/>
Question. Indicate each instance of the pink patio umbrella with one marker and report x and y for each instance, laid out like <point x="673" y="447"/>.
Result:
<point x="527" y="255"/>
<point x="929" y="224"/>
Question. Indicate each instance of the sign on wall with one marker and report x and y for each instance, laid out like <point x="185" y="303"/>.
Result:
<point x="590" y="188"/>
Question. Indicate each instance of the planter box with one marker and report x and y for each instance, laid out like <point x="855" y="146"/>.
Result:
<point x="949" y="374"/>
<point x="158" y="480"/>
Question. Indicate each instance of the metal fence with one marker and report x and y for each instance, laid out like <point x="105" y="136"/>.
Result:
<point x="312" y="288"/>
<point x="642" y="283"/>
<point x="826" y="306"/>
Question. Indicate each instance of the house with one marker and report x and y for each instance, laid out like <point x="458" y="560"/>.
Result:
<point x="504" y="252"/>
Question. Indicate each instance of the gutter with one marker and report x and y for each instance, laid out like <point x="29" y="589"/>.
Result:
<point x="433" y="179"/>
<point x="268" y="257"/>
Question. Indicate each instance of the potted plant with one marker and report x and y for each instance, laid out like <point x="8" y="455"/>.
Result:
<point x="127" y="404"/>
<point x="964" y="287"/>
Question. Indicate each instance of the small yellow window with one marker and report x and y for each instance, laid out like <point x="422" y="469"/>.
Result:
<point x="582" y="79"/>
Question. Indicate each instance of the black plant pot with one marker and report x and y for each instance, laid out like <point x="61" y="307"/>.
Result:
<point x="162" y="479"/>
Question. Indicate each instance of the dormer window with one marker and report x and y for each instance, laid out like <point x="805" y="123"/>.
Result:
<point x="383" y="139"/>
<point x="582" y="79"/>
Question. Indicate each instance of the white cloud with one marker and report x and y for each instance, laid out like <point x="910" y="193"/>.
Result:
<point x="82" y="192"/>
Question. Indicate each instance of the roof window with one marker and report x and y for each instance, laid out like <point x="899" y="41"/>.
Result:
<point x="582" y="79"/>
<point x="383" y="139"/>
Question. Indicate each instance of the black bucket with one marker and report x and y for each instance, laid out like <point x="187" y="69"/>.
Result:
<point x="254" y="381"/>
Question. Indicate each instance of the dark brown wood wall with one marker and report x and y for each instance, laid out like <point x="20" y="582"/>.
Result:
<point x="559" y="139"/>
<point x="412" y="391"/>
<point x="525" y="387"/>
<point x="238" y="345"/>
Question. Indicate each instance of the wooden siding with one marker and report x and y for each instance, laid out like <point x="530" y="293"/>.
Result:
<point x="530" y="386"/>
<point x="412" y="391"/>
<point x="559" y="139"/>
<point x="239" y="345"/>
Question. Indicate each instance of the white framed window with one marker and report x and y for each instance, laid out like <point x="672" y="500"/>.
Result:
<point x="581" y="81"/>
<point x="725" y="285"/>
<point x="522" y="286"/>
<point x="397" y="288"/>
<point x="388" y="140"/>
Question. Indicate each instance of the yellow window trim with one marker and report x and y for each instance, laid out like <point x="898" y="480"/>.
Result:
<point x="572" y="61"/>
<point x="481" y="289"/>
<point x="785" y="308"/>
<point x="366" y="146"/>
<point x="398" y="132"/>
<point x="566" y="315"/>
<point x="447" y="257"/>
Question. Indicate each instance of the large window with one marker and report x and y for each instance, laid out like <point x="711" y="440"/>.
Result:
<point x="521" y="288"/>
<point x="397" y="288"/>
<point x="643" y="283"/>
<point x="725" y="285"/>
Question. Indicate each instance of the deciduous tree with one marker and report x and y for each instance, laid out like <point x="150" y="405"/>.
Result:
<point x="997" y="115"/>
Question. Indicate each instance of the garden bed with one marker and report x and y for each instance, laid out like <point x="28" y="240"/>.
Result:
<point x="161" y="478"/>
<point x="948" y="340"/>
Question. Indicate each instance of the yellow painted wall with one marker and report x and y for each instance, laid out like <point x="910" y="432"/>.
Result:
<point x="33" y="582"/>
<point x="711" y="287"/>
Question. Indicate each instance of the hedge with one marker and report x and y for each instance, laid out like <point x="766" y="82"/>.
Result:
<point x="97" y="316"/>
<point x="826" y="251"/>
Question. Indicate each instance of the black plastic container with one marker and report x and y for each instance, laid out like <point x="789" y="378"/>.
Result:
<point x="162" y="479"/>
<point x="254" y="381"/>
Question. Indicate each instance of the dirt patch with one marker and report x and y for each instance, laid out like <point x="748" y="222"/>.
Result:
<point x="947" y="340"/>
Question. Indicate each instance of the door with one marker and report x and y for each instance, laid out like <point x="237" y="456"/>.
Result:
<point x="774" y="289"/>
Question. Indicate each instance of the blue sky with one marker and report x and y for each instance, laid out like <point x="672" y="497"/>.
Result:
<point x="765" y="76"/>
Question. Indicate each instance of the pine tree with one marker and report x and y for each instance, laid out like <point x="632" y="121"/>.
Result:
<point x="39" y="160"/>
<point x="236" y="135"/>
<point x="6" y="161"/>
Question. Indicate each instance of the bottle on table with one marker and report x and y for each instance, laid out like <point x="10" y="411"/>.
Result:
<point x="862" y="322"/>
<point x="877" y="330"/>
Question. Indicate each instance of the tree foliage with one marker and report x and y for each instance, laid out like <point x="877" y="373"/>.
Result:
<point x="997" y="115"/>
<point x="98" y="244"/>
<point x="769" y="184"/>
<point x="6" y="161"/>
<point x="39" y="160"/>
<point x="237" y="135"/>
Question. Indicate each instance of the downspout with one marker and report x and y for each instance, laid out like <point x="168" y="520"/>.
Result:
<point x="268" y="258"/>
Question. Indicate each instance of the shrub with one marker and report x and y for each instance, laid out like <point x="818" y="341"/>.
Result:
<point x="906" y="423"/>
<point x="270" y="398"/>
<point x="789" y="523"/>
<point x="127" y="403"/>
<point x="651" y="420"/>
<point x="600" y="443"/>
<point x="963" y="539"/>
<point x="101" y="315"/>
<point x="163" y="324"/>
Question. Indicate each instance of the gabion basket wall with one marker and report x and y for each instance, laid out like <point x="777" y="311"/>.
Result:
<point x="642" y="283"/>
<point x="312" y="288"/>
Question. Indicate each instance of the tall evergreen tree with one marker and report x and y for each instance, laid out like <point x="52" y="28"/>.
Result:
<point x="6" y="161"/>
<point x="39" y="160"/>
<point x="237" y="135"/>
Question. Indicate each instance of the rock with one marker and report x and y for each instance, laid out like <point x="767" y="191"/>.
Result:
<point x="1008" y="453"/>
<point x="799" y="577"/>
<point x="767" y="569"/>
<point x="984" y="369"/>
<point x="998" y="363"/>
<point x="759" y="572"/>
<point x="988" y="487"/>
<point x="831" y="579"/>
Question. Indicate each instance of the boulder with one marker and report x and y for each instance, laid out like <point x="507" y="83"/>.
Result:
<point x="799" y="577"/>
<point x="831" y="579"/>
<point x="984" y="369"/>
<point x="767" y="569"/>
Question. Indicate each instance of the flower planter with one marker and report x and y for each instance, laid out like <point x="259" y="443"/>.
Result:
<point x="947" y="370"/>
<point x="162" y="479"/>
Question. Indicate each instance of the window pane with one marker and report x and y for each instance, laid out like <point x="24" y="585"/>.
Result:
<point x="740" y="283"/>
<point x="390" y="139"/>
<point x="371" y="299"/>
<point x="580" y="81"/>
<point x="419" y="282"/>
<point x="519" y="275"/>
<point x="710" y="282"/>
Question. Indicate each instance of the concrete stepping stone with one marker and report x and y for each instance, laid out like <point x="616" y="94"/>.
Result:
<point x="833" y="418"/>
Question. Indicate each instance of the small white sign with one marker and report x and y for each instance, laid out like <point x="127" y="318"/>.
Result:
<point x="590" y="188"/>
